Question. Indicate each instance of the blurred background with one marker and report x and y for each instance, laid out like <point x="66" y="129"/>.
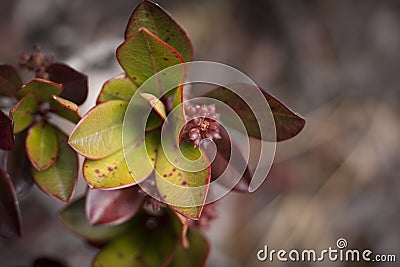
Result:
<point x="335" y="62"/>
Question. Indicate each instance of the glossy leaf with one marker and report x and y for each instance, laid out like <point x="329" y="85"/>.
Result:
<point x="65" y="108"/>
<point x="10" y="217"/>
<point x="230" y="160"/>
<point x="143" y="54"/>
<point x="112" y="171"/>
<point x="19" y="167"/>
<point x="194" y="256"/>
<point x="141" y="247"/>
<point x="6" y="132"/>
<point x="60" y="178"/>
<point x="287" y="123"/>
<point x="156" y="104"/>
<point x="117" y="88"/>
<point x="9" y="80"/>
<point x="23" y="113"/>
<point x="99" y="133"/>
<point x="160" y="23"/>
<point x="113" y="207"/>
<point x="74" y="218"/>
<point x="185" y="191"/>
<point x="41" y="145"/>
<point x="43" y="90"/>
<point x="74" y="83"/>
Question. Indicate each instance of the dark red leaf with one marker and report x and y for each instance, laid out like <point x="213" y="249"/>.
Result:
<point x="112" y="207"/>
<point x="19" y="167"/>
<point x="234" y="167"/>
<point x="6" y="132"/>
<point x="10" y="217"/>
<point x="75" y="84"/>
<point x="47" y="262"/>
<point x="9" y="80"/>
<point x="287" y="123"/>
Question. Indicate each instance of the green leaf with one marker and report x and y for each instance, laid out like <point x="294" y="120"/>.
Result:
<point x="159" y="22"/>
<point x="117" y="88"/>
<point x="74" y="218"/>
<point x="60" y="178"/>
<point x="99" y="133"/>
<point x="43" y="90"/>
<point x="41" y="145"/>
<point x="113" y="171"/>
<point x="287" y="123"/>
<point x="23" y="113"/>
<point x="143" y="54"/>
<point x="10" y="219"/>
<point x="184" y="190"/>
<point x="9" y="80"/>
<point x="194" y="256"/>
<point x="65" y="108"/>
<point x="141" y="247"/>
<point x="156" y="104"/>
<point x="153" y="122"/>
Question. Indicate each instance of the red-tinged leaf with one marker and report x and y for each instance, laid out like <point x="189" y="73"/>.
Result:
<point x="184" y="226"/>
<point x="99" y="133"/>
<point x="65" y="108"/>
<point x="229" y="165"/>
<point x="10" y="217"/>
<point x="117" y="88"/>
<point x="6" y="132"/>
<point x="23" y="113"/>
<point x="112" y="207"/>
<point x="114" y="171"/>
<point x="43" y="90"/>
<point x="184" y="188"/>
<point x="73" y="216"/>
<point x="9" y="80"/>
<point x="60" y="178"/>
<point x="143" y="54"/>
<point x="159" y="22"/>
<point x="41" y="145"/>
<point x="156" y="104"/>
<point x="47" y="262"/>
<point x="19" y="167"/>
<point x="287" y="123"/>
<point x="74" y="83"/>
<point x="195" y="255"/>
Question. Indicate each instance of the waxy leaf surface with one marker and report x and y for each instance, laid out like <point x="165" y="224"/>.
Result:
<point x="143" y="54"/>
<point x="117" y="88"/>
<point x="112" y="207"/>
<point x="65" y="108"/>
<point x="41" y="145"/>
<point x="43" y="90"/>
<point x="74" y="83"/>
<point x="23" y="113"/>
<point x="99" y="133"/>
<point x="60" y="178"/>
<point x="160" y="23"/>
<point x="183" y="190"/>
